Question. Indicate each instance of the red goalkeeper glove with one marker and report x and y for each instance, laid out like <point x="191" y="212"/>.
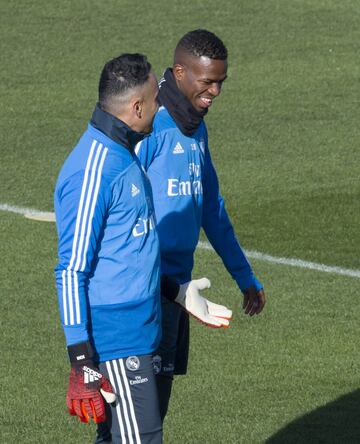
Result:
<point x="86" y="385"/>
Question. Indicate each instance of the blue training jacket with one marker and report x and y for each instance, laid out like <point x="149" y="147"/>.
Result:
<point x="186" y="198"/>
<point x="109" y="262"/>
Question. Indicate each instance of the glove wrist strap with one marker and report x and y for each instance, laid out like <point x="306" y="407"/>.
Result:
<point x="80" y="353"/>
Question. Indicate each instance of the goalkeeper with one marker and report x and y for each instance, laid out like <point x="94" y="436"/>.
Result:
<point x="108" y="275"/>
<point x="186" y="190"/>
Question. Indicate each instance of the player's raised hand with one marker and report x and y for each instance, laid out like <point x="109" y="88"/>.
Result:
<point x="254" y="301"/>
<point x="205" y="311"/>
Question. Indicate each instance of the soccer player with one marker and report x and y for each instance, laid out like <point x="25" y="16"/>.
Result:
<point x="108" y="275"/>
<point x="186" y="191"/>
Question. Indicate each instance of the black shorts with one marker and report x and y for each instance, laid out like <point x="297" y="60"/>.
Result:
<point x="135" y="416"/>
<point x="171" y="358"/>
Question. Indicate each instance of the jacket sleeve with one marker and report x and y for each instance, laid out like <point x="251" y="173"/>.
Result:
<point x="146" y="150"/>
<point x="81" y="205"/>
<point x="220" y="232"/>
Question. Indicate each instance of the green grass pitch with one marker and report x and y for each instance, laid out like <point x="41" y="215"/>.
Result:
<point x="285" y="139"/>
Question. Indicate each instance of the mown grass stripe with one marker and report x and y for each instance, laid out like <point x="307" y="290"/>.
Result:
<point x="299" y="263"/>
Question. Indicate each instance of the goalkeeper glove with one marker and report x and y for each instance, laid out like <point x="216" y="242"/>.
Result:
<point x="85" y="384"/>
<point x="205" y="311"/>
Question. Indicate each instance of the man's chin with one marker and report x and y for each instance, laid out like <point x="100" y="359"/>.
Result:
<point x="201" y="110"/>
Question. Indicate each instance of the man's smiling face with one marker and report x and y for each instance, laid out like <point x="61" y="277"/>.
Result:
<point x="200" y="79"/>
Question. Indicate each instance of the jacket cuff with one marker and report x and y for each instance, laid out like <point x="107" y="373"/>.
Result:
<point x="80" y="353"/>
<point x="249" y="281"/>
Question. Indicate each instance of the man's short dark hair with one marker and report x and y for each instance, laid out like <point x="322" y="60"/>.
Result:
<point x="200" y="43"/>
<point x="122" y="74"/>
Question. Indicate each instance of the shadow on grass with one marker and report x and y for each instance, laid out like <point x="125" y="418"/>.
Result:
<point x="335" y="423"/>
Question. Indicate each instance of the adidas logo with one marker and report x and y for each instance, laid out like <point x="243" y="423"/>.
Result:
<point x="134" y="190"/>
<point x="91" y="375"/>
<point x="178" y="149"/>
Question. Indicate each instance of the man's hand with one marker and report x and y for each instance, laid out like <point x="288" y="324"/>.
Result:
<point x="86" y="385"/>
<point x="254" y="301"/>
<point x="205" y="311"/>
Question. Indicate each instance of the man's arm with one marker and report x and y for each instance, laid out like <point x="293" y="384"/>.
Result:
<point x="220" y="232"/>
<point x="81" y="204"/>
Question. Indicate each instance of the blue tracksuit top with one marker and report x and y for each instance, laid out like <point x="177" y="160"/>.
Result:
<point x="186" y="198"/>
<point x="108" y="274"/>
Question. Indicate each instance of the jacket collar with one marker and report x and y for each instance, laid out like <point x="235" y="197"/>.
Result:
<point x="115" y="128"/>
<point x="186" y="117"/>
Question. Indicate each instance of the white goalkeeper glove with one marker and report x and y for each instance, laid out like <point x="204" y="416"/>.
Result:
<point x="205" y="311"/>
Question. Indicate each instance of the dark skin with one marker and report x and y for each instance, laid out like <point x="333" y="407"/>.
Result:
<point x="254" y="301"/>
<point x="200" y="79"/>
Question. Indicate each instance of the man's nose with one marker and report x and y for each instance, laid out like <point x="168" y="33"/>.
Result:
<point x="215" y="89"/>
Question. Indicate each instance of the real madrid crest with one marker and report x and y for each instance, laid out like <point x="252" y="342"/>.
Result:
<point x="133" y="363"/>
<point x="157" y="364"/>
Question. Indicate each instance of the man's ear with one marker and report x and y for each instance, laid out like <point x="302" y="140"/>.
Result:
<point x="178" y="71"/>
<point x="137" y="107"/>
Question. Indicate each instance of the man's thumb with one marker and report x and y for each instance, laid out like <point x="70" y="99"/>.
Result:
<point x="203" y="283"/>
<point x="109" y="397"/>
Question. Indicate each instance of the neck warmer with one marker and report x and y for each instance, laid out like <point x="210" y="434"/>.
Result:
<point x="116" y="129"/>
<point x="180" y="109"/>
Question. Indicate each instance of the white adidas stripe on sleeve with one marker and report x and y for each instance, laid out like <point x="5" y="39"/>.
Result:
<point x="88" y="198"/>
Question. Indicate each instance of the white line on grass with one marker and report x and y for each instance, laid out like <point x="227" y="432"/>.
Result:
<point x="292" y="262"/>
<point x="30" y="213"/>
<point x="50" y="217"/>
